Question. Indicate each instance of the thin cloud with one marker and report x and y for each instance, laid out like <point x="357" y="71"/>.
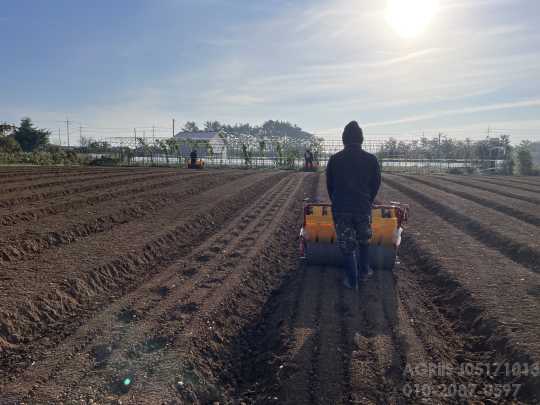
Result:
<point x="380" y="63"/>
<point x="448" y="4"/>
<point x="316" y="16"/>
<point x="458" y="111"/>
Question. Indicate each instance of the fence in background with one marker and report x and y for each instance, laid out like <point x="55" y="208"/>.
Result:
<point x="152" y="152"/>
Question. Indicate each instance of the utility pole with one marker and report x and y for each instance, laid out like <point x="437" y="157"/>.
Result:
<point x="80" y="136"/>
<point x="59" y="139"/>
<point x="173" y="128"/>
<point x="67" y="127"/>
<point x="153" y="134"/>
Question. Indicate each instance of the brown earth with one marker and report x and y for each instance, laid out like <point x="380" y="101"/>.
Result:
<point x="186" y="287"/>
<point x="513" y="237"/>
<point x="503" y="190"/>
<point x="522" y="210"/>
<point x="533" y="184"/>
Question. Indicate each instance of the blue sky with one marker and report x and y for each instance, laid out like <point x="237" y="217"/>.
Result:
<point x="139" y="63"/>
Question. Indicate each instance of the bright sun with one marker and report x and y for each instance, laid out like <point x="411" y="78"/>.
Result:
<point x="409" y="18"/>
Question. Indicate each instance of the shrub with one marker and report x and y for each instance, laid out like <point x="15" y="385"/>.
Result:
<point x="524" y="159"/>
<point x="9" y="145"/>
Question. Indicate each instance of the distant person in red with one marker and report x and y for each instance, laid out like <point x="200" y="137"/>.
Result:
<point x="353" y="178"/>
<point x="308" y="157"/>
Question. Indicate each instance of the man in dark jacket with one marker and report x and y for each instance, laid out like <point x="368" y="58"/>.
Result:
<point x="353" y="179"/>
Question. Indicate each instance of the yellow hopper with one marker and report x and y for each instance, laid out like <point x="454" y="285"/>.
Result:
<point x="199" y="164"/>
<point x="318" y="235"/>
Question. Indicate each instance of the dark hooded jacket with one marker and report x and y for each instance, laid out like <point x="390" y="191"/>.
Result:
<point x="353" y="178"/>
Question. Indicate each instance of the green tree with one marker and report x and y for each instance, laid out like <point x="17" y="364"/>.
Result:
<point x="173" y="147"/>
<point x="29" y="137"/>
<point x="262" y="150"/>
<point x="212" y="126"/>
<point x="279" y="152"/>
<point x="163" y="148"/>
<point x="145" y="148"/>
<point x="524" y="159"/>
<point x="317" y="149"/>
<point x="191" y="126"/>
<point x="508" y="165"/>
<point x="246" y="153"/>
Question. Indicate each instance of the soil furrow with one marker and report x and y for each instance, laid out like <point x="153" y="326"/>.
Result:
<point x="261" y="353"/>
<point x="210" y="326"/>
<point x="205" y="318"/>
<point x="223" y="248"/>
<point x="191" y="291"/>
<point x="64" y="180"/>
<point x="211" y="301"/>
<point x="488" y="228"/>
<point x="52" y="232"/>
<point x="485" y="297"/>
<point x="74" y="286"/>
<point x="364" y="378"/>
<point x="467" y="337"/>
<point x="532" y="188"/>
<point x="330" y="346"/>
<point x="158" y="295"/>
<point x="531" y="181"/>
<point x="503" y="191"/>
<point x="38" y="173"/>
<point x="92" y="199"/>
<point x="194" y="274"/>
<point x="88" y="186"/>
<point x="296" y="379"/>
<point x="414" y="350"/>
<point x="380" y="338"/>
<point x="523" y="211"/>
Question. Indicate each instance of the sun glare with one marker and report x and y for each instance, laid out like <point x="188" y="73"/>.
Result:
<point x="409" y="18"/>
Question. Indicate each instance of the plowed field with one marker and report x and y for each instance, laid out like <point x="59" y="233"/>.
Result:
<point x="162" y="286"/>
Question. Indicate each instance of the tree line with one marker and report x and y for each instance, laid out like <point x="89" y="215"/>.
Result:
<point x="515" y="158"/>
<point x="269" y="129"/>
<point x="28" y="144"/>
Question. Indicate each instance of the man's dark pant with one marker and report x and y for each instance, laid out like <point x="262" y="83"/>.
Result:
<point x="353" y="233"/>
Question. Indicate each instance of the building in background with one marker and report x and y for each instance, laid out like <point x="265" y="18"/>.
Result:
<point x="209" y="144"/>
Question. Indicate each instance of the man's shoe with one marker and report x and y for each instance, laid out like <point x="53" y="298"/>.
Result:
<point x="369" y="272"/>
<point x="347" y="284"/>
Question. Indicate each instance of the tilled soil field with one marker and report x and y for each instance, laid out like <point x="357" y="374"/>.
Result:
<point x="162" y="286"/>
